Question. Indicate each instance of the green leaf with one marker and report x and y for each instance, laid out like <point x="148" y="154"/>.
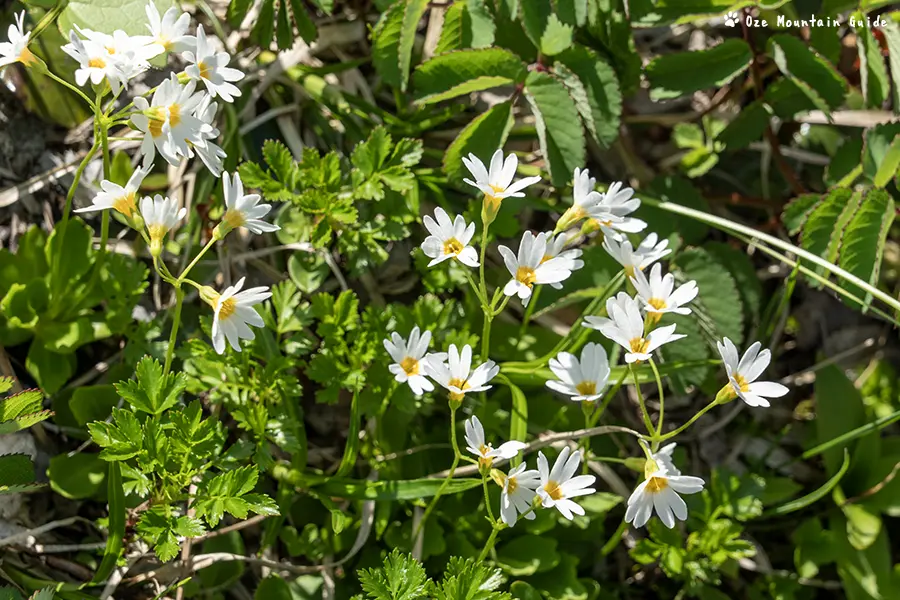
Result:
<point x="891" y="33"/>
<point x="863" y="527"/>
<point x="749" y="126"/>
<point x="718" y="305"/>
<point x="815" y="496"/>
<point x="481" y="137"/>
<point x="412" y="14"/>
<point x="116" y="530"/>
<point x="814" y="75"/>
<point x="879" y="141"/>
<point x="273" y="587"/>
<point x="152" y="392"/>
<point x="108" y="15"/>
<point x="229" y="492"/>
<point x="889" y="166"/>
<point x="864" y="239"/>
<point x="518" y="420"/>
<point x="873" y="75"/>
<point x="797" y="211"/>
<point x="677" y="74"/>
<point x="527" y="555"/>
<point x="20" y="405"/>
<point x="596" y="77"/>
<point x="825" y="224"/>
<point x="351" y="449"/>
<point x="465" y="71"/>
<point x="305" y="25"/>
<point x="49" y="369"/>
<point x="467" y="579"/>
<point x="559" y="128"/>
<point x="467" y="24"/>
<point x="16" y="471"/>
<point x="839" y="409"/>
<point x="78" y="476"/>
<point x="386" y="45"/>
<point x="523" y="591"/>
<point x="93" y="403"/>
<point x="400" y="578"/>
<point x="393" y="490"/>
<point x="264" y="28"/>
<point x="121" y="439"/>
<point x="556" y="38"/>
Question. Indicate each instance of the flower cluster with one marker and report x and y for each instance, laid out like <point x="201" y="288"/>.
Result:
<point x="631" y="321"/>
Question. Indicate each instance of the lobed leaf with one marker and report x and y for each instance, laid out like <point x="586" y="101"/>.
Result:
<point x="465" y="71"/>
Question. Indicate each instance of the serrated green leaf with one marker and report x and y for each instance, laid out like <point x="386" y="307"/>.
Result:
<point x="19" y="405"/>
<point x="400" y="578"/>
<point x="890" y="165"/>
<point x="742" y="270"/>
<point x="874" y="81"/>
<point x="863" y="243"/>
<point x="559" y="127"/>
<point x="386" y="44"/>
<point x="556" y="37"/>
<point x="283" y="34"/>
<point x="814" y="75"/>
<point x="152" y="392"/>
<point x="412" y="14"/>
<point x="719" y="310"/>
<point x="264" y="28"/>
<point x="15" y="469"/>
<point x="465" y="71"/>
<point x="527" y="555"/>
<point x="601" y="91"/>
<point x="681" y="73"/>
<point x="891" y="33"/>
<point x="304" y="23"/>
<point x="481" y="137"/>
<point x="825" y="225"/>
<point x="798" y="210"/>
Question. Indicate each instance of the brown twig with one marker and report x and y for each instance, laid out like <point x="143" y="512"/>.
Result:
<point x="789" y="175"/>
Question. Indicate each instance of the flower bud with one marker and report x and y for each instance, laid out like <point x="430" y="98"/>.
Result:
<point x="484" y="466"/>
<point x="209" y="295"/>
<point x="726" y="394"/>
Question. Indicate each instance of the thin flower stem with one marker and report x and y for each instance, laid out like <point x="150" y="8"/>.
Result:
<point x="456" y="456"/>
<point x="503" y="304"/>
<point x="176" y="321"/>
<point x="489" y="544"/>
<point x="486" y="335"/>
<point x="529" y="310"/>
<point x="671" y="434"/>
<point x="637" y="387"/>
<point x="62" y="81"/>
<point x="662" y="402"/>
<point x="477" y="290"/>
<point x="107" y="173"/>
<point x="614" y="539"/>
<point x="197" y="258"/>
<point x="487" y="498"/>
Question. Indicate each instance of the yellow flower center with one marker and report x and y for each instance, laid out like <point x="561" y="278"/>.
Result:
<point x="97" y="63"/>
<point x="174" y="114"/>
<point x="165" y="43"/>
<point x="157" y="120"/>
<point x="639" y="345"/>
<point x="204" y="69"/>
<point x="458" y="383"/>
<point x="742" y="383"/>
<point x="586" y="388"/>
<point x="511" y="485"/>
<point x="111" y="49"/>
<point x="410" y="366"/>
<point x="657" y="303"/>
<point x="453" y="246"/>
<point x="657" y="484"/>
<point x="496" y="188"/>
<point x="234" y="218"/>
<point x="125" y="204"/>
<point x="553" y="490"/>
<point x="157" y="232"/>
<point x="226" y="308"/>
<point x="26" y="57"/>
<point x="525" y="275"/>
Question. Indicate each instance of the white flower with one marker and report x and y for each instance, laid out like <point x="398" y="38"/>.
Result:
<point x="485" y="452"/>
<point x="97" y="63"/>
<point x="160" y="216"/>
<point x="168" y="122"/>
<point x="647" y="252"/>
<point x="626" y="328"/>
<point x="582" y="380"/>
<point x="121" y="199"/>
<point x="16" y="49"/>
<point x="743" y="373"/>
<point x="409" y="359"/>
<point x="585" y="200"/>
<point x="449" y="239"/>
<point x="209" y="152"/>
<point x="457" y="376"/>
<point x="243" y="210"/>
<point x="612" y="212"/>
<point x="497" y="184"/>
<point x="530" y="267"/>
<point x="663" y="458"/>
<point x="657" y="293"/>
<point x="212" y="69"/>
<point x="518" y="493"/>
<point x="558" y="487"/>
<point x="556" y="248"/>
<point x="659" y="491"/>
<point x="169" y="33"/>
<point x="235" y="313"/>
